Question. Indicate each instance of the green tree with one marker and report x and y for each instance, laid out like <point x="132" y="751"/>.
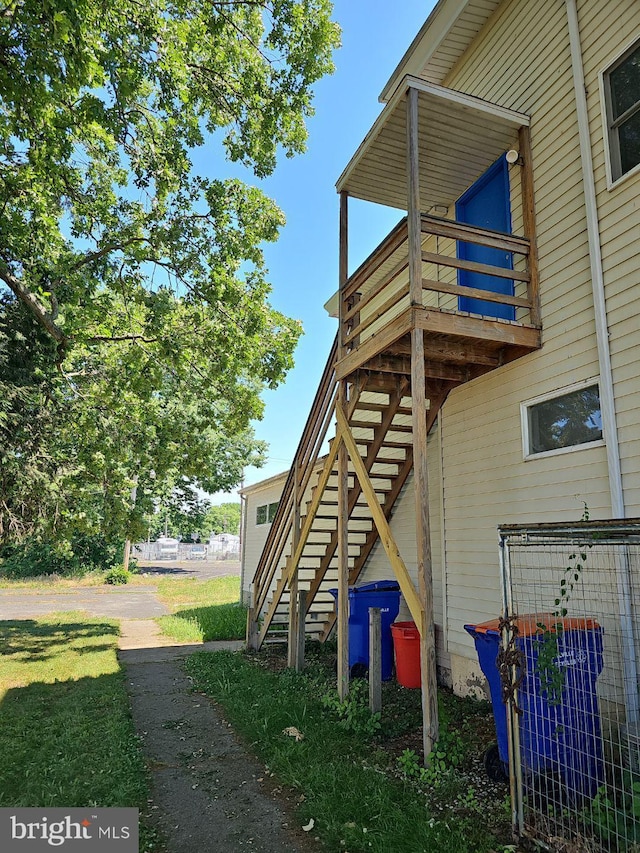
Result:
<point x="222" y="518"/>
<point x="145" y="326"/>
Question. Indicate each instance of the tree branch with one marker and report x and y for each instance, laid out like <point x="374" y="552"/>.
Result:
<point x="106" y="250"/>
<point x="114" y="338"/>
<point x="44" y="317"/>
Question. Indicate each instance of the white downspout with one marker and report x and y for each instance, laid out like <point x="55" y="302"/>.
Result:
<point x="607" y="400"/>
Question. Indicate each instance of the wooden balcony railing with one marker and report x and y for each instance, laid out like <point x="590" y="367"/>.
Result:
<point x="379" y="290"/>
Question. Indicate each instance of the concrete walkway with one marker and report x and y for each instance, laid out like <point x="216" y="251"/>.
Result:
<point x="208" y="793"/>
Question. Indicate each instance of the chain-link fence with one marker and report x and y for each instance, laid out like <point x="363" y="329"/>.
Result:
<point x="221" y="548"/>
<point x="569" y="656"/>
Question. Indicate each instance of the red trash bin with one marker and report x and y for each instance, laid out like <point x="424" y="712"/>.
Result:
<point x="406" y="644"/>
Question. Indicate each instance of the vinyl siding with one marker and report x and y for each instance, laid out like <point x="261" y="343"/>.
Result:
<point x="619" y="225"/>
<point x="256" y="534"/>
<point x="521" y="60"/>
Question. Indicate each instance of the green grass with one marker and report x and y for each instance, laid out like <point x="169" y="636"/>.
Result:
<point x="59" y="583"/>
<point x="66" y="734"/>
<point x="203" y="610"/>
<point x="346" y="780"/>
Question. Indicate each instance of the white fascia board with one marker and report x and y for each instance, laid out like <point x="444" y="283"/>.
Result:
<point x="429" y="38"/>
<point x="264" y="484"/>
<point x="465" y="101"/>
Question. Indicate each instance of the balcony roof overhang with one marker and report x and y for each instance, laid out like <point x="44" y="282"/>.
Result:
<point x="460" y="136"/>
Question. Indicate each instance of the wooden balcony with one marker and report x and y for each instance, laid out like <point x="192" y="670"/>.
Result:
<point x="377" y="315"/>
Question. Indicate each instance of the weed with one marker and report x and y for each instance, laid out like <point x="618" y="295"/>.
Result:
<point x="468" y="800"/>
<point x="552" y="677"/>
<point x="616" y="816"/>
<point x="72" y="558"/>
<point x="344" y="779"/>
<point x="353" y="711"/>
<point x="446" y="756"/>
<point x="409" y="764"/>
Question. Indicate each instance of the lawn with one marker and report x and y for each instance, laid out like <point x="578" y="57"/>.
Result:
<point x="203" y="610"/>
<point x="358" y="779"/>
<point x="66" y="734"/>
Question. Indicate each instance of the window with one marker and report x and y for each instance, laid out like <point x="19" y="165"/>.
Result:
<point x="621" y="87"/>
<point x="567" y="421"/>
<point x="265" y="513"/>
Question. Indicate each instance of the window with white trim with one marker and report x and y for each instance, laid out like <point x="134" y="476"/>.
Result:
<point x="265" y="513"/>
<point x="561" y="422"/>
<point x="621" y="86"/>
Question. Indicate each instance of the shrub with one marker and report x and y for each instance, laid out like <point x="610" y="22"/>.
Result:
<point x="70" y="558"/>
<point x="117" y="575"/>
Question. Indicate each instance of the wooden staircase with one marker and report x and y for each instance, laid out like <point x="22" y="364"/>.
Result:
<point x="304" y="533"/>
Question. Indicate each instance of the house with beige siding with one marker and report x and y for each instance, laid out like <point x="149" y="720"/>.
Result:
<point x="259" y="505"/>
<point x="487" y="360"/>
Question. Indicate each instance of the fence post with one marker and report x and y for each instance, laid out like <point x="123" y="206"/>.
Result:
<point x="375" y="660"/>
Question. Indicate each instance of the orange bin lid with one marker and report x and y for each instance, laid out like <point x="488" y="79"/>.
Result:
<point x="528" y="624"/>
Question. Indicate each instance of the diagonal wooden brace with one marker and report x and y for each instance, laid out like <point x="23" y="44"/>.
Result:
<point x="377" y="513"/>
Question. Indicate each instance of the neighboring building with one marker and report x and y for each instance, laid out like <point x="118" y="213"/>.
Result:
<point x="533" y="390"/>
<point x="259" y="505"/>
<point x="225" y="545"/>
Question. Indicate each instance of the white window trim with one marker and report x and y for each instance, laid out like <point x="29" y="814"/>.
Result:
<point x="604" y="111"/>
<point x="552" y="395"/>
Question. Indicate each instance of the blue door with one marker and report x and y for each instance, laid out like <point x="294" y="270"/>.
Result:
<point x="486" y="204"/>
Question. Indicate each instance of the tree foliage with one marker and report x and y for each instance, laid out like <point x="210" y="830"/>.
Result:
<point x="185" y="514"/>
<point x="223" y="518"/>
<point x="138" y="334"/>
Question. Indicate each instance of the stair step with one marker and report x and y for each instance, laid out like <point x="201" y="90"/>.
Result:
<point x="380" y="407"/>
<point x="332" y="529"/>
<point x="396" y="445"/>
<point x="374" y="477"/>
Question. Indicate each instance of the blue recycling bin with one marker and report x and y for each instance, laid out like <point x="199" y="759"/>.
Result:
<point x="560" y="733"/>
<point x="385" y="595"/>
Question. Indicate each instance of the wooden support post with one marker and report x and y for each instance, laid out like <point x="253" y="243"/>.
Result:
<point x="375" y="660"/>
<point x="423" y="546"/>
<point x="252" y="630"/>
<point x="343" y="570"/>
<point x="414" y="224"/>
<point x="343" y="263"/>
<point x="302" y="608"/>
<point x="343" y="472"/>
<point x="419" y="425"/>
<point x="295" y="616"/>
<point x="292" y="636"/>
<point x="529" y="223"/>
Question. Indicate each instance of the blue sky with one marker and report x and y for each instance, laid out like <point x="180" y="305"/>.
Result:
<point x="303" y="264"/>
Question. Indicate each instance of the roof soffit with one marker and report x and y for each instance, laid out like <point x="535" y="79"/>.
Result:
<point x="460" y="136"/>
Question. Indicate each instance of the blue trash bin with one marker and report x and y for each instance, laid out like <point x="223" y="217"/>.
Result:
<point x="386" y="596"/>
<point x="560" y="734"/>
